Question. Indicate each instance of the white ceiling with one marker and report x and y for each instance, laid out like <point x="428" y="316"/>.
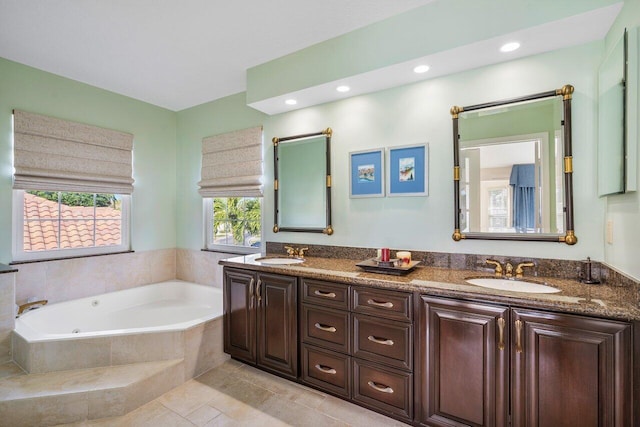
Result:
<point x="170" y="53"/>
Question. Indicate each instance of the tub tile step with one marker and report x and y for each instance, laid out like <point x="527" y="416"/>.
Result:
<point x="85" y="394"/>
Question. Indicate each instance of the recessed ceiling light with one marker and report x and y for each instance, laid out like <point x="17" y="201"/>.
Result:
<point x="421" y="69"/>
<point x="291" y="102"/>
<point x="509" y="47"/>
<point x="343" y="88"/>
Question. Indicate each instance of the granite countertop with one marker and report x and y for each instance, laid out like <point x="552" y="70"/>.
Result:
<point x="617" y="302"/>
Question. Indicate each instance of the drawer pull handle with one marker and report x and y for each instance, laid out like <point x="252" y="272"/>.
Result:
<point x="501" y="324"/>
<point x="326" y="369"/>
<point x="380" y="387"/>
<point x="380" y="340"/>
<point x="380" y="304"/>
<point x="325" y="294"/>
<point x="325" y="327"/>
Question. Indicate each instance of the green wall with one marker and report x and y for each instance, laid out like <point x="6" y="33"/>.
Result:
<point x="419" y="113"/>
<point x="414" y="34"/>
<point x="153" y="208"/>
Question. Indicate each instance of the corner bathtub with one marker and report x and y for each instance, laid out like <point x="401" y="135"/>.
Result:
<point x="152" y="322"/>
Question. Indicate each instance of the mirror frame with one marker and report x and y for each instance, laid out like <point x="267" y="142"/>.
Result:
<point x="328" y="229"/>
<point x="569" y="238"/>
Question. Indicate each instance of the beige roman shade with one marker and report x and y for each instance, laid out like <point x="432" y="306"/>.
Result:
<point x="58" y="155"/>
<point x="232" y="164"/>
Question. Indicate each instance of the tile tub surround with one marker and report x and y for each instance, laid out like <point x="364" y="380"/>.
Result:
<point x="7" y="312"/>
<point x="598" y="300"/>
<point x="200" y="266"/>
<point x="200" y="346"/>
<point x="63" y="280"/>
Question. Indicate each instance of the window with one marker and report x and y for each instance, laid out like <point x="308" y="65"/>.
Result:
<point x="233" y="223"/>
<point x="55" y="224"/>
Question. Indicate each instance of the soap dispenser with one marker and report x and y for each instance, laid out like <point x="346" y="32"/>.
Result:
<point x="586" y="273"/>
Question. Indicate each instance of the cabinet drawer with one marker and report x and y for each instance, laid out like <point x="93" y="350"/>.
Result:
<point x="388" y="304"/>
<point x="383" y="389"/>
<point x="326" y="328"/>
<point x="326" y="370"/>
<point x="383" y="341"/>
<point x="327" y="294"/>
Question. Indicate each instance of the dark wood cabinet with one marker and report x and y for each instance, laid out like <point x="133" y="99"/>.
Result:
<point x="464" y="356"/>
<point x="489" y="365"/>
<point x="570" y="370"/>
<point x="260" y="325"/>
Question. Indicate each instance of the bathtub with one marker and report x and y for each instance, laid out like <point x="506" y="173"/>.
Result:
<point x="162" y="321"/>
<point x="167" y="306"/>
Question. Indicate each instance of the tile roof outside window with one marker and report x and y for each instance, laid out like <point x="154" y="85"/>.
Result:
<point x="76" y="225"/>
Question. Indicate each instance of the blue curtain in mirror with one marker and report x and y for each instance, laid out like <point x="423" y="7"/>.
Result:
<point x="523" y="181"/>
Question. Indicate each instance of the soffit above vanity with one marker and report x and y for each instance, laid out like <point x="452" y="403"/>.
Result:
<point x="449" y="36"/>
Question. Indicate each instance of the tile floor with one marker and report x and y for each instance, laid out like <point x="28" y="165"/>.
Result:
<point x="235" y="394"/>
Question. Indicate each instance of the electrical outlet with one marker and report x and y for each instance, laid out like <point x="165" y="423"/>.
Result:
<point x="610" y="232"/>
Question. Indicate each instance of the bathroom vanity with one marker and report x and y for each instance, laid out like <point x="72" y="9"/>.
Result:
<point x="429" y="349"/>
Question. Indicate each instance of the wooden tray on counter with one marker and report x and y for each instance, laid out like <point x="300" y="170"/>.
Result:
<point x="372" y="265"/>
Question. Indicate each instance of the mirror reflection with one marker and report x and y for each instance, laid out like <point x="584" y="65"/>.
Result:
<point x="513" y="169"/>
<point x="302" y="183"/>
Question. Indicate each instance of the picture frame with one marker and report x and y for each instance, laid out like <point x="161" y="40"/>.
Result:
<point x="408" y="170"/>
<point x="367" y="175"/>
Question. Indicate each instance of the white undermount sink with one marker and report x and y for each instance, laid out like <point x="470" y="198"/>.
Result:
<point x="279" y="261"/>
<point x="512" y="285"/>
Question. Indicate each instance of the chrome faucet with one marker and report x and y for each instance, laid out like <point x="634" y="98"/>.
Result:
<point x="31" y="306"/>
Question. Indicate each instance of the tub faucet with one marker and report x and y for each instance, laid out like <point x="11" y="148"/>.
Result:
<point x="31" y="306"/>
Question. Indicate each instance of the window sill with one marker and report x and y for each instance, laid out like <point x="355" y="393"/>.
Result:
<point x="230" y="251"/>
<point x="68" y="257"/>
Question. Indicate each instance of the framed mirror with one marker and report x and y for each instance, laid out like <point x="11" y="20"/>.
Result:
<point x="513" y="169"/>
<point x="302" y="183"/>
<point x="612" y="77"/>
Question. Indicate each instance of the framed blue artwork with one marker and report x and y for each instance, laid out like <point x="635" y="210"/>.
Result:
<point x="367" y="173"/>
<point x="407" y="170"/>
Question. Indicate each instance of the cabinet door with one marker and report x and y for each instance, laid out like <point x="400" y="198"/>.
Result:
<point x="464" y="359"/>
<point x="570" y="370"/>
<point x="277" y="323"/>
<point x="239" y="315"/>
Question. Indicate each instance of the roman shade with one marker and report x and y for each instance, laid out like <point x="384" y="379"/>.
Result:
<point x="59" y="155"/>
<point x="232" y="164"/>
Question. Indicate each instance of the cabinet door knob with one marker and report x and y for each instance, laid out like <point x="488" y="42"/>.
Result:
<point x="518" y="336"/>
<point x="326" y="369"/>
<point x="325" y="328"/>
<point x="324" y="294"/>
<point x="382" y="341"/>
<point x="380" y="387"/>
<point x="380" y="304"/>
<point x="501" y="324"/>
